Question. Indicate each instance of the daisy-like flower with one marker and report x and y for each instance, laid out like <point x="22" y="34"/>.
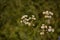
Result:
<point x="41" y="33"/>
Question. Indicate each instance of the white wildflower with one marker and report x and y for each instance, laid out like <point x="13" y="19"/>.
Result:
<point x="29" y="18"/>
<point x="33" y="16"/>
<point x="26" y="19"/>
<point x="50" y="27"/>
<point x="45" y="26"/>
<point x="50" y="13"/>
<point x="42" y="27"/>
<point x="22" y="17"/>
<point x="47" y="13"/>
<point x="26" y="15"/>
<point x="49" y="30"/>
<point x="43" y="12"/>
<point x="41" y="33"/>
<point x="46" y="16"/>
<point x="29" y="24"/>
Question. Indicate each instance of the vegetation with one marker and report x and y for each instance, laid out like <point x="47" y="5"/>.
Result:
<point x="11" y="12"/>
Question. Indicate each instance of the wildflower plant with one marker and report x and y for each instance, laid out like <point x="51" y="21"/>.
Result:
<point x="47" y="28"/>
<point x="28" y="20"/>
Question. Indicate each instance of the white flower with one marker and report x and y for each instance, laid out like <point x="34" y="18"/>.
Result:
<point x="46" y="16"/>
<point x="50" y="13"/>
<point x="26" y="22"/>
<point x="41" y="33"/>
<point x="52" y="30"/>
<point x="26" y="19"/>
<point x="45" y="26"/>
<point x="47" y="13"/>
<point x="26" y="15"/>
<point x="43" y="12"/>
<point x="29" y="18"/>
<point x="22" y="17"/>
<point x="29" y="24"/>
<point x="33" y="16"/>
<point x="50" y="27"/>
<point x="49" y="30"/>
<point x="42" y="27"/>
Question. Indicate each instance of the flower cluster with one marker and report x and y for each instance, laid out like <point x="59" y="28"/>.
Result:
<point x="28" y="20"/>
<point x="48" y="14"/>
<point x="45" y="28"/>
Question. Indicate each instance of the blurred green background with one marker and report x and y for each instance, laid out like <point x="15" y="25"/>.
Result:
<point x="11" y="12"/>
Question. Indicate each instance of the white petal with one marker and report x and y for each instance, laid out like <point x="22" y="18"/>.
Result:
<point x="42" y="27"/>
<point x="41" y="33"/>
<point x="47" y="13"/>
<point x="26" y="15"/>
<point x="50" y="13"/>
<point x="29" y="18"/>
<point x="45" y="26"/>
<point x="43" y="12"/>
<point x="22" y="17"/>
<point x="29" y="24"/>
<point x="50" y="27"/>
<point x="33" y="16"/>
<point x="49" y="30"/>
